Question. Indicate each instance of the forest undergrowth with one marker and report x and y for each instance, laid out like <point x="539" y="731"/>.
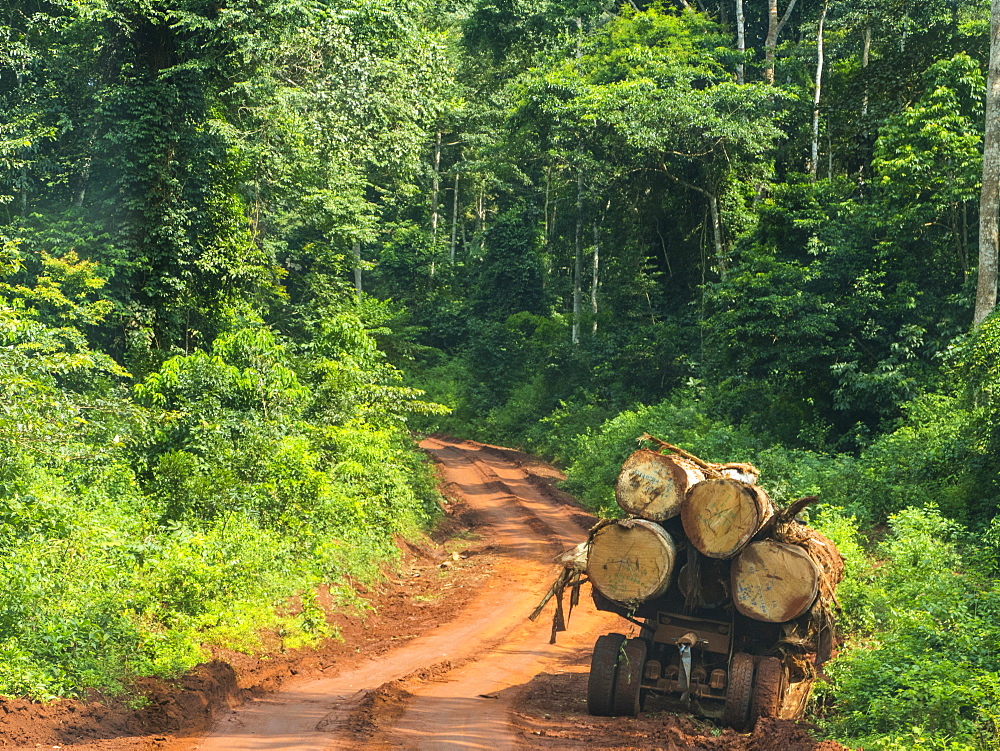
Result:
<point x="143" y="520"/>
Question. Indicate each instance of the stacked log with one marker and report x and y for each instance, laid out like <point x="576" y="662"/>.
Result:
<point x="774" y="582"/>
<point x="652" y="486"/>
<point x="770" y="567"/>
<point x="721" y="516"/>
<point x="631" y="561"/>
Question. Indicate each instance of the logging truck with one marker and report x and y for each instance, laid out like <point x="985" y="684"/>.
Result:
<point x="730" y="598"/>
<point x="713" y="660"/>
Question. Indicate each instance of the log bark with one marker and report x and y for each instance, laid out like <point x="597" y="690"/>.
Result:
<point x="631" y="561"/>
<point x="721" y="516"/>
<point x="821" y="550"/>
<point x="653" y="486"/>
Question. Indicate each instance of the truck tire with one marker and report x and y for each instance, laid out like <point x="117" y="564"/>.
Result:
<point x="769" y="683"/>
<point x="603" y="671"/>
<point x="628" y="680"/>
<point x="740" y="692"/>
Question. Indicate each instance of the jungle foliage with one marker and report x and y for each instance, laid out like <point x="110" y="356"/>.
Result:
<point x="240" y="239"/>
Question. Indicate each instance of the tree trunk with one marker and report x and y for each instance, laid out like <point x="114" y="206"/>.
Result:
<point x="481" y="218"/>
<point x="721" y="516"/>
<point x="989" y="199"/>
<point x="454" y="221"/>
<point x="779" y="580"/>
<point x="85" y="164"/>
<point x="594" y="280"/>
<point x="771" y="41"/>
<point x="865" y="55"/>
<point x="741" y="43"/>
<point x="821" y="550"/>
<point x="631" y="561"/>
<point x="814" y="160"/>
<point x="653" y="485"/>
<point x="774" y="582"/>
<point x="356" y="252"/>
<point x="715" y="220"/>
<point x="578" y="261"/>
<point x="774" y="27"/>
<point x="545" y="215"/>
<point x="577" y="249"/>
<point x="23" y="170"/>
<point x="720" y="255"/>
<point x="436" y="186"/>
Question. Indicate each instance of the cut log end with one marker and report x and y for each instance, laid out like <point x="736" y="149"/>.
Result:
<point x="653" y="486"/>
<point x="631" y="561"/>
<point x="721" y="516"/>
<point x="821" y="549"/>
<point x="774" y="581"/>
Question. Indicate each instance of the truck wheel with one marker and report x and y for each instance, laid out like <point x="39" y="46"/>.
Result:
<point x="628" y="688"/>
<point x="740" y="691"/>
<point x="769" y="684"/>
<point x="603" y="670"/>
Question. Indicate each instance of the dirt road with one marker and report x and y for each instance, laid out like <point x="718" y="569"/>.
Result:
<point x="488" y="647"/>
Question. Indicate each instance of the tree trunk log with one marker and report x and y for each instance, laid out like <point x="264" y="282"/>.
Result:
<point x="821" y="550"/>
<point x="721" y="516"/>
<point x="653" y="486"/>
<point x="631" y="561"/>
<point x="779" y="580"/>
<point x="773" y="581"/>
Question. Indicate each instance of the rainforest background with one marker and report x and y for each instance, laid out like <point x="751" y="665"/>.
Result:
<point x="247" y="246"/>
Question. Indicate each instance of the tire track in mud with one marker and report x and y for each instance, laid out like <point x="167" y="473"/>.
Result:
<point x="534" y="515"/>
<point x="452" y="687"/>
<point x="452" y="713"/>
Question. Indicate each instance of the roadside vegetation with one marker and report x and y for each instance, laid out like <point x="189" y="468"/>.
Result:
<point x="247" y="246"/>
<point x="144" y="519"/>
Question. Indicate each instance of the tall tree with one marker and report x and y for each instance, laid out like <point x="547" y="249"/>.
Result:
<point x="989" y="202"/>
<point x="817" y="89"/>
<point x="741" y="42"/>
<point x="774" y="27"/>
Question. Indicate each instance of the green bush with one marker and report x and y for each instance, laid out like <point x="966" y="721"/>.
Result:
<point x="921" y="665"/>
<point x="205" y="508"/>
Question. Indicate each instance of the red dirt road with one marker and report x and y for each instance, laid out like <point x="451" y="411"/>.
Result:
<point x="490" y="645"/>
<point x="469" y="708"/>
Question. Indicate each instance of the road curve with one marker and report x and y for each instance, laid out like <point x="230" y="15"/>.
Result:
<point x="490" y="644"/>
